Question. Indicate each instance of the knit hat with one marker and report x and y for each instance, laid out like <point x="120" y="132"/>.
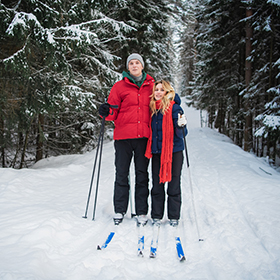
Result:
<point x="135" y="56"/>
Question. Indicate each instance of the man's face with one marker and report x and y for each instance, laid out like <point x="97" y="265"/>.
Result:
<point x="135" y="67"/>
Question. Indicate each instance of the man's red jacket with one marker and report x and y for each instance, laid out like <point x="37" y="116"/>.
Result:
<point x="132" y="118"/>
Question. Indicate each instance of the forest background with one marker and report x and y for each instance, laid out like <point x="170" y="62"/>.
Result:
<point x="59" y="59"/>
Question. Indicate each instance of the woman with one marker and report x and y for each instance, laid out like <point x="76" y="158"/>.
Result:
<point x="166" y="146"/>
<point x="131" y="119"/>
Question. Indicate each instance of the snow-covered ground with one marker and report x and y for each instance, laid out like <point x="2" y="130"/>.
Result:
<point x="236" y="198"/>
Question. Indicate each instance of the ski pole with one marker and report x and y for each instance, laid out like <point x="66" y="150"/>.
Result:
<point x="100" y="143"/>
<point x="99" y="166"/>
<point x="95" y="161"/>
<point x="189" y="173"/>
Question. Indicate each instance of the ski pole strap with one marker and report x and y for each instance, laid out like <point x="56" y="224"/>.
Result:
<point x="112" y="107"/>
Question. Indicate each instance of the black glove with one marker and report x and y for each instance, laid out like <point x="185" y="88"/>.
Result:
<point x="104" y="110"/>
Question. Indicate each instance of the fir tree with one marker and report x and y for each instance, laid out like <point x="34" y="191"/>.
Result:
<point x="56" y="70"/>
<point x="266" y="80"/>
<point x="220" y="64"/>
<point x="150" y="36"/>
<point x="220" y="86"/>
<point x="186" y="33"/>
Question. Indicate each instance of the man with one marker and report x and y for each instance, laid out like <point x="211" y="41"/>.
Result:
<point x="131" y="119"/>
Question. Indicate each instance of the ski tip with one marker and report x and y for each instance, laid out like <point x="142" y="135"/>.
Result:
<point x="182" y="259"/>
<point x="140" y="254"/>
<point x="200" y="239"/>
<point x="98" y="247"/>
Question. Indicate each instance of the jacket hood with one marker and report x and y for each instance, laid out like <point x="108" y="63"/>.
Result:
<point x="177" y="99"/>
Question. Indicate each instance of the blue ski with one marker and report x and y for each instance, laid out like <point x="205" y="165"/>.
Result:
<point x="108" y="240"/>
<point x="141" y="245"/>
<point x="154" y="242"/>
<point x="141" y="240"/>
<point x="179" y="249"/>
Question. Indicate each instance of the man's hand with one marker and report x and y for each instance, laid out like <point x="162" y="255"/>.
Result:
<point x="104" y="110"/>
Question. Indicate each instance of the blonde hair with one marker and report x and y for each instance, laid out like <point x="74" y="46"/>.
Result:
<point x="165" y="101"/>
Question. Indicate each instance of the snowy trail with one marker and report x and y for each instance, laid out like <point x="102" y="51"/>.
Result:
<point x="231" y="206"/>
<point x="236" y="196"/>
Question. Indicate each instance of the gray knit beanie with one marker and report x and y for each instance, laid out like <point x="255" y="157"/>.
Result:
<point x="135" y="56"/>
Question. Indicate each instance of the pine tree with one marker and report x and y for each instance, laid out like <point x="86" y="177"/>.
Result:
<point x="187" y="49"/>
<point x="265" y="82"/>
<point x="220" y="85"/>
<point x="220" y="64"/>
<point x="150" y="36"/>
<point x="56" y="70"/>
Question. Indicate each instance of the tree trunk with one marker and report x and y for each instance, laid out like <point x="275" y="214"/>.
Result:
<point x="248" y="74"/>
<point x="40" y="138"/>
<point x="2" y="142"/>
<point x="25" y="144"/>
<point x="24" y="149"/>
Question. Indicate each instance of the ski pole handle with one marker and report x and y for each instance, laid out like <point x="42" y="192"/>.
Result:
<point x="113" y="106"/>
<point x="106" y="109"/>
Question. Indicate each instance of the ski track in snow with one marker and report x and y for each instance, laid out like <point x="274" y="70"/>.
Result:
<point x="43" y="234"/>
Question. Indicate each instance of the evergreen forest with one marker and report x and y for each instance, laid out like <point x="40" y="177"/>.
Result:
<point x="60" y="58"/>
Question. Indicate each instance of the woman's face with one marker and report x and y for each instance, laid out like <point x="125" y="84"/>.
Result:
<point x="159" y="92"/>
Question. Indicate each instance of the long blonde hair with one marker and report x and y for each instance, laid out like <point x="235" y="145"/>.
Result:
<point x="165" y="101"/>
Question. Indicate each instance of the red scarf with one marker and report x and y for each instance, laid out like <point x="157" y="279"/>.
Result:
<point x="167" y="144"/>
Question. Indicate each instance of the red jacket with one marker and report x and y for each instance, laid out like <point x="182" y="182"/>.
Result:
<point x="132" y="118"/>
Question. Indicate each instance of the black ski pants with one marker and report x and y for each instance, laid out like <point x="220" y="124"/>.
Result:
<point x="173" y="188"/>
<point x="124" y="151"/>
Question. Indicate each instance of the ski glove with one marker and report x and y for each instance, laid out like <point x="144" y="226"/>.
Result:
<point x="104" y="110"/>
<point x="182" y="121"/>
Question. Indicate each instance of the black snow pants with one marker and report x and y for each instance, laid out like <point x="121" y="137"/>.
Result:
<point x="124" y="151"/>
<point x="173" y="188"/>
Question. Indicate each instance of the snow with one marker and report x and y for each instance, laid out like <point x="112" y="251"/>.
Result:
<point x="236" y="197"/>
<point x="272" y="122"/>
<point x="21" y="19"/>
<point x="269" y="121"/>
<point x="276" y="2"/>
